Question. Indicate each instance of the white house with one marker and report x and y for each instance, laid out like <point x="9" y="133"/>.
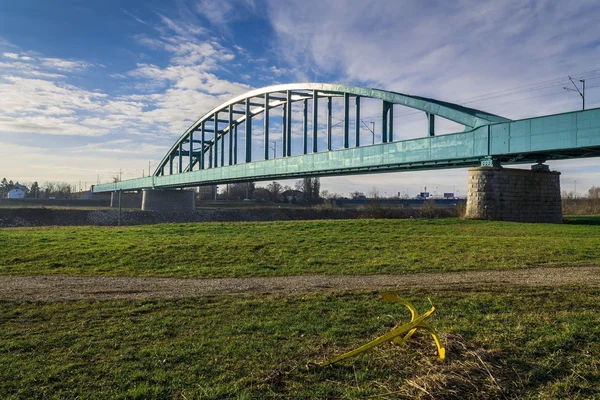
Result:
<point x="16" y="194"/>
<point x="22" y="187"/>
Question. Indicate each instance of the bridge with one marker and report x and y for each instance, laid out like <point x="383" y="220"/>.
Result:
<point x="218" y="147"/>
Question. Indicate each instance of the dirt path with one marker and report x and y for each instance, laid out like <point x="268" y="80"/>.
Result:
<point x="56" y="288"/>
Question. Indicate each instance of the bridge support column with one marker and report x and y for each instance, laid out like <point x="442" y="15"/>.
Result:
<point x="503" y="194"/>
<point x="130" y="200"/>
<point x="168" y="200"/>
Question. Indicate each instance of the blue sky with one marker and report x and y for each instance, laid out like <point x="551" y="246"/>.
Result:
<point x="91" y="88"/>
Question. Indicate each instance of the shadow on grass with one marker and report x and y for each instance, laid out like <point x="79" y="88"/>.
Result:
<point x="582" y="220"/>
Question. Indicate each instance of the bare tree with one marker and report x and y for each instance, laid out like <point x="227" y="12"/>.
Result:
<point x="49" y="189"/>
<point x="238" y="191"/>
<point x="34" y="191"/>
<point x="262" y="194"/>
<point x="594" y="192"/>
<point x="316" y="188"/>
<point x="311" y="188"/>
<point x="374" y="193"/>
<point x="567" y="195"/>
<point x="330" y="195"/>
<point x="275" y="189"/>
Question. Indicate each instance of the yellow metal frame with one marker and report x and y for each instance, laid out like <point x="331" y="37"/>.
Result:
<point x="417" y="322"/>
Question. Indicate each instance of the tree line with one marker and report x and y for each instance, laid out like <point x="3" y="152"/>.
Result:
<point x="58" y="190"/>
<point x="592" y="193"/>
<point x="307" y="190"/>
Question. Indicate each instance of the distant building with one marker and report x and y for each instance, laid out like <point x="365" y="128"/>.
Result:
<point x="16" y="194"/>
<point x="24" y="188"/>
<point x="292" y="196"/>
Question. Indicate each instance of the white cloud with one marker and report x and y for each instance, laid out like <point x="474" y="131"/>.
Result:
<point x="224" y="12"/>
<point x="181" y="28"/>
<point x="188" y="51"/>
<point x="64" y="65"/>
<point x="451" y="51"/>
<point x="48" y="62"/>
<point x="47" y="125"/>
<point x="13" y="56"/>
<point x="35" y="100"/>
<point x="72" y="164"/>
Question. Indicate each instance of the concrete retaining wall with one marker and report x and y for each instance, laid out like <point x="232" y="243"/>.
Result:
<point x="504" y="194"/>
<point x="169" y="200"/>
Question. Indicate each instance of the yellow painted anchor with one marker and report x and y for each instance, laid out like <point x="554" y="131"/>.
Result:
<point x="417" y="322"/>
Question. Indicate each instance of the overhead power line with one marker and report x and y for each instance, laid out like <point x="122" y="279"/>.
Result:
<point x="548" y="84"/>
<point x="535" y="86"/>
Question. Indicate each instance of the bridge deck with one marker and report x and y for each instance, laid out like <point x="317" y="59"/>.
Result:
<point x="561" y="136"/>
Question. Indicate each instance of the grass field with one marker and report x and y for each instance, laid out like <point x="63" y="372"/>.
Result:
<point x="504" y="342"/>
<point x="297" y="247"/>
<point x="512" y="343"/>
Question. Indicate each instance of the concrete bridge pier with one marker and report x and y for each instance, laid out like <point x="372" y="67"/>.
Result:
<point x="129" y="200"/>
<point x="168" y="200"/>
<point x="508" y="194"/>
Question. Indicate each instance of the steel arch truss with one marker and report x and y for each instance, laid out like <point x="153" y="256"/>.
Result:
<point x="202" y="146"/>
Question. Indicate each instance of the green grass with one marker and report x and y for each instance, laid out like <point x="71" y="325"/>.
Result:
<point x="297" y="247"/>
<point x="538" y="343"/>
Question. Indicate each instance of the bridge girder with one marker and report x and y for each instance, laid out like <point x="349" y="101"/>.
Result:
<point x="263" y="100"/>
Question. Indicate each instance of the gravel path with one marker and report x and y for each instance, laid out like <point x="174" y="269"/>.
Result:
<point x="57" y="288"/>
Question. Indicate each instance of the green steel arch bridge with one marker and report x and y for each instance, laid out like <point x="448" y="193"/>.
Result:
<point x="217" y="148"/>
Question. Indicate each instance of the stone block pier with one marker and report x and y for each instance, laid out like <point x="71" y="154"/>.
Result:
<point x="508" y="194"/>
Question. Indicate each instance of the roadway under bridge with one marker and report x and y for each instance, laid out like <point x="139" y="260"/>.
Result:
<point x="218" y="147"/>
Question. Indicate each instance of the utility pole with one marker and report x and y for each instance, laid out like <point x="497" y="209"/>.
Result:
<point x="148" y="168"/>
<point x="120" y="203"/>
<point x="274" y="147"/>
<point x="581" y="92"/>
<point x="373" y="131"/>
<point x="575" y="189"/>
